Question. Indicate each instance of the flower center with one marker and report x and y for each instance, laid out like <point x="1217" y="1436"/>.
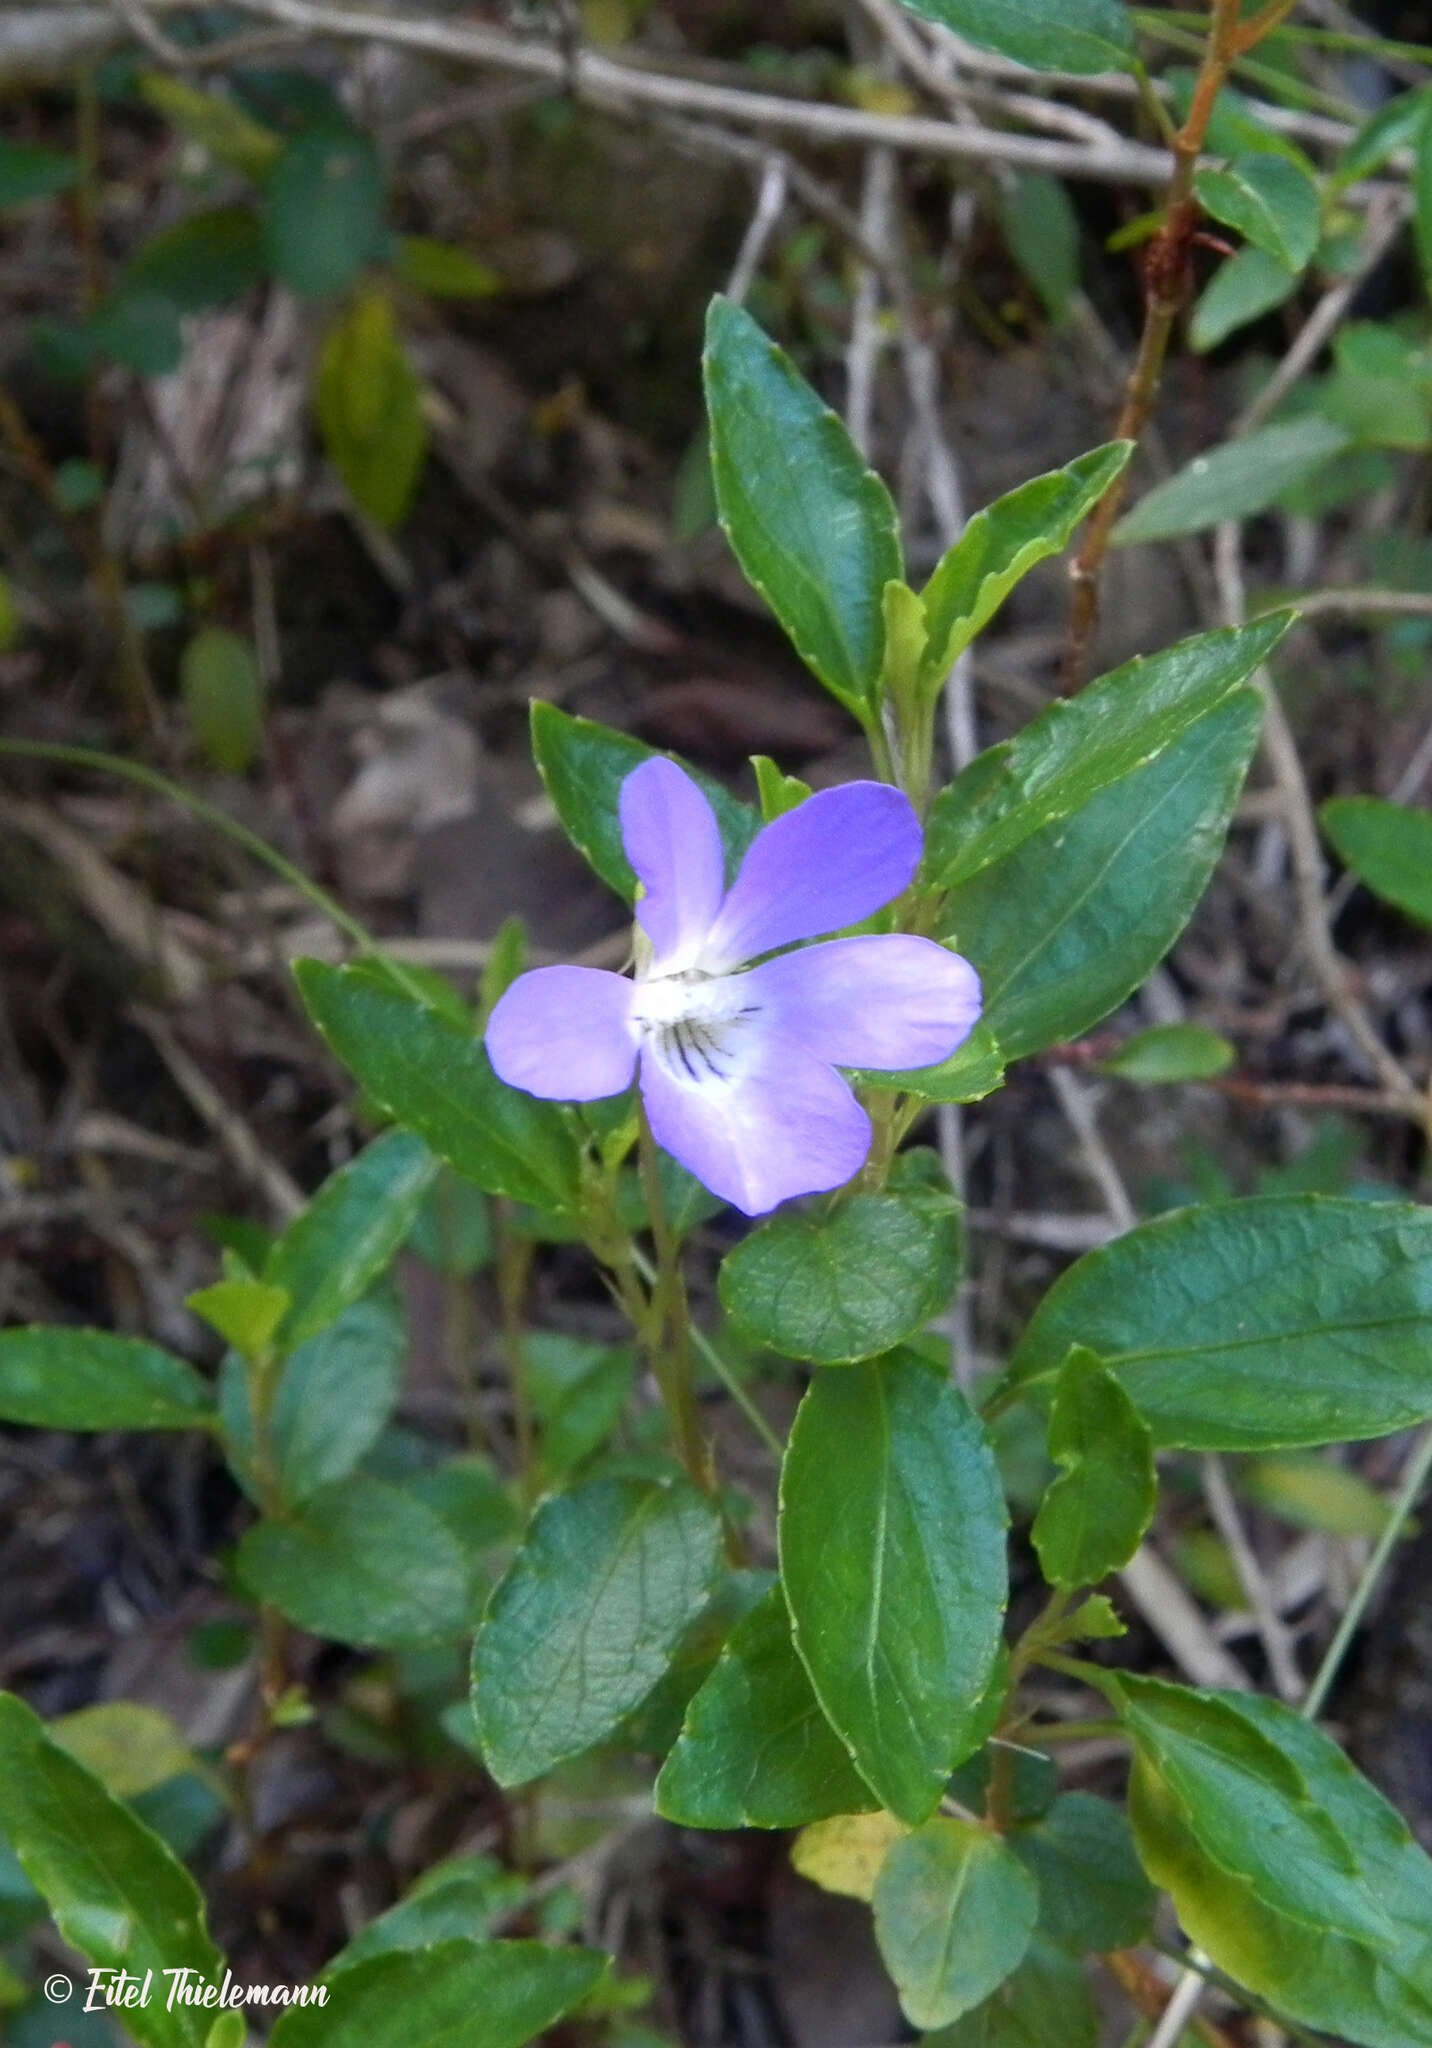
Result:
<point x="694" y="1023"/>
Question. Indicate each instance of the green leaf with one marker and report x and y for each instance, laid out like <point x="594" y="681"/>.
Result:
<point x="323" y="210"/>
<point x="208" y="260"/>
<point x="436" y="1079"/>
<point x="365" y="1562"/>
<point x="584" y="765"/>
<point x="1250" y="1808"/>
<point x="1422" y="198"/>
<point x="116" y="1893"/>
<point x="1250" y="284"/>
<point x="1042" y="231"/>
<point x="369" y="403"/>
<point x="899" y="1634"/>
<point x="463" y="1896"/>
<point x="28" y="172"/>
<point x="1065" y="928"/>
<point x="223" y="693"/>
<point x="778" y="792"/>
<point x="1079" y="746"/>
<point x="1171" y="1052"/>
<point x="1234" y="481"/>
<point x="442" y="270"/>
<point x="452" y="1231"/>
<point x="1093" y="1517"/>
<point x="1002" y="543"/>
<point x="578" y="1391"/>
<point x="837" y="1287"/>
<point x="1399" y="124"/>
<point x="973" y="1071"/>
<point x="954" y="1912"/>
<point x="130" y="1748"/>
<point x="755" y="1750"/>
<point x="216" y="124"/>
<point x="335" y="1394"/>
<point x="57" y="1378"/>
<point x="1379" y="1996"/>
<point x="333" y="1251"/>
<point x="1312" y="1492"/>
<point x="814" y="530"/>
<point x="139" y="329"/>
<point x="1269" y="201"/>
<point x="584" y="1623"/>
<point x="1045" y="2003"/>
<point x="1093" y="1894"/>
<point x="1274" y="1321"/>
<point x="505" y="1993"/>
<point x="1049" y="35"/>
<point x="1388" y="847"/>
<point x="245" y="1312"/>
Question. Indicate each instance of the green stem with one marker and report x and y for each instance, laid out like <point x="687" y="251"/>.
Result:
<point x="1419" y="1465"/>
<point x="722" y="1371"/>
<point x="150" y="778"/>
<point x="667" y="1336"/>
<point x="514" y="1270"/>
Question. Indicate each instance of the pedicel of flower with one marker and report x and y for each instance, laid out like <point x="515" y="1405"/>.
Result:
<point x="737" y="1062"/>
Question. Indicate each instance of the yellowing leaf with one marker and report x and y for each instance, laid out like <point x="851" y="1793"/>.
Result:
<point x="844" y="1854"/>
<point x="130" y="1748"/>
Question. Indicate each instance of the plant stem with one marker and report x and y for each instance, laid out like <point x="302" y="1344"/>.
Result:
<point x="722" y="1371"/>
<point x="666" y="1335"/>
<point x="514" y="1270"/>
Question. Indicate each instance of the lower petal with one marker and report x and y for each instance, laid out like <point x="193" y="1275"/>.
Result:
<point x="787" y="1125"/>
<point x="873" y="1002"/>
<point x="564" y="1033"/>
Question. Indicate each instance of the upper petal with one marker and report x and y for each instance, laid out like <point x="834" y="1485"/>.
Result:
<point x="870" y="1002"/>
<point x="671" y="838"/>
<point x="832" y="861"/>
<point x="564" y="1033"/>
<point x="786" y="1125"/>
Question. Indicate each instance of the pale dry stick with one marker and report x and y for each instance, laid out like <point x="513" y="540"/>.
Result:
<point x="1280" y="754"/>
<point x="867" y="338"/>
<point x="1182" y="2005"/>
<point x="1074" y="1100"/>
<point x="1277" y="1642"/>
<point x="283" y="1194"/>
<point x="770" y="205"/>
<point x="1393" y="604"/>
<point x="1168" y="1610"/>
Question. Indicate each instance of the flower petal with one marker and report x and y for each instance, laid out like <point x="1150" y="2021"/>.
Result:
<point x="832" y="861"/>
<point x="671" y="838"/>
<point x="871" y="1002"/>
<point x="564" y="1033"/>
<point x="787" y="1125"/>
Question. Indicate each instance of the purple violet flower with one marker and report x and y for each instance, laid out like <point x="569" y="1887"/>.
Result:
<point x="738" y="1062"/>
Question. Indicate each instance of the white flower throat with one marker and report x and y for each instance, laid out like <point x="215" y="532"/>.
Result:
<point x="695" y="1023"/>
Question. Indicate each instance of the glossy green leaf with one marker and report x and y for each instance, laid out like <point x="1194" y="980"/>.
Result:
<point x="369" y="402"/>
<point x="656" y="1723"/>
<point x="365" y="1562"/>
<point x="460" y="1897"/>
<point x="116" y="1892"/>
<point x="973" y="1071"/>
<point x="223" y="694"/>
<point x="1274" y="1321"/>
<point x="1251" y="1809"/>
<point x="436" y="1078"/>
<point x="1041" y="229"/>
<point x="57" y="1378"/>
<point x="1388" y="847"/>
<point x="1378" y="1994"/>
<point x="504" y="1994"/>
<point x="1068" y="926"/>
<point x="1079" y="746"/>
<point x="1093" y="1517"/>
<point x="1234" y="481"/>
<point x="579" y="1631"/>
<point x="814" y="530"/>
<point x="207" y="260"/>
<point x="1171" y="1052"/>
<point x="333" y="1251"/>
<point x="1002" y="543"/>
<point x="831" y="1288"/>
<point x="899" y="1635"/>
<point x="1045" y="2003"/>
<point x="443" y="270"/>
<point x="215" y="123"/>
<point x="1269" y="201"/>
<point x="755" y="1750"/>
<point x="29" y="172"/>
<point x="335" y="1393"/>
<point x="954" y="1913"/>
<point x="1093" y="1894"/>
<point x="1049" y="35"/>
<point x="584" y="765"/>
<point x="1250" y="284"/>
<point x="323" y="210"/>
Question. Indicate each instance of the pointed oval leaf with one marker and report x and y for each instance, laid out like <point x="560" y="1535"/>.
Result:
<point x="55" y="1378"/>
<point x="1265" y="1323"/>
<point x="369" y="402"/>
<point x="1049" y="35"/>
<point x="334" y="1250"/>
<point x="813" y="528"/>
<point x="608" y="1578"/>
<point x="1388" y="847"/>
<point x="954" y="1913"/>
<point x="899" y="1635"/>
<point x="451" y="1995"/>
<point x="1237" y="481"/>
<point x="1093" y="1517"/>
<point x="323" y="210"/>
<point x="1171" y="1052"/>
<point x="1250" y="284"/>
<point x="1272" y="203"/>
